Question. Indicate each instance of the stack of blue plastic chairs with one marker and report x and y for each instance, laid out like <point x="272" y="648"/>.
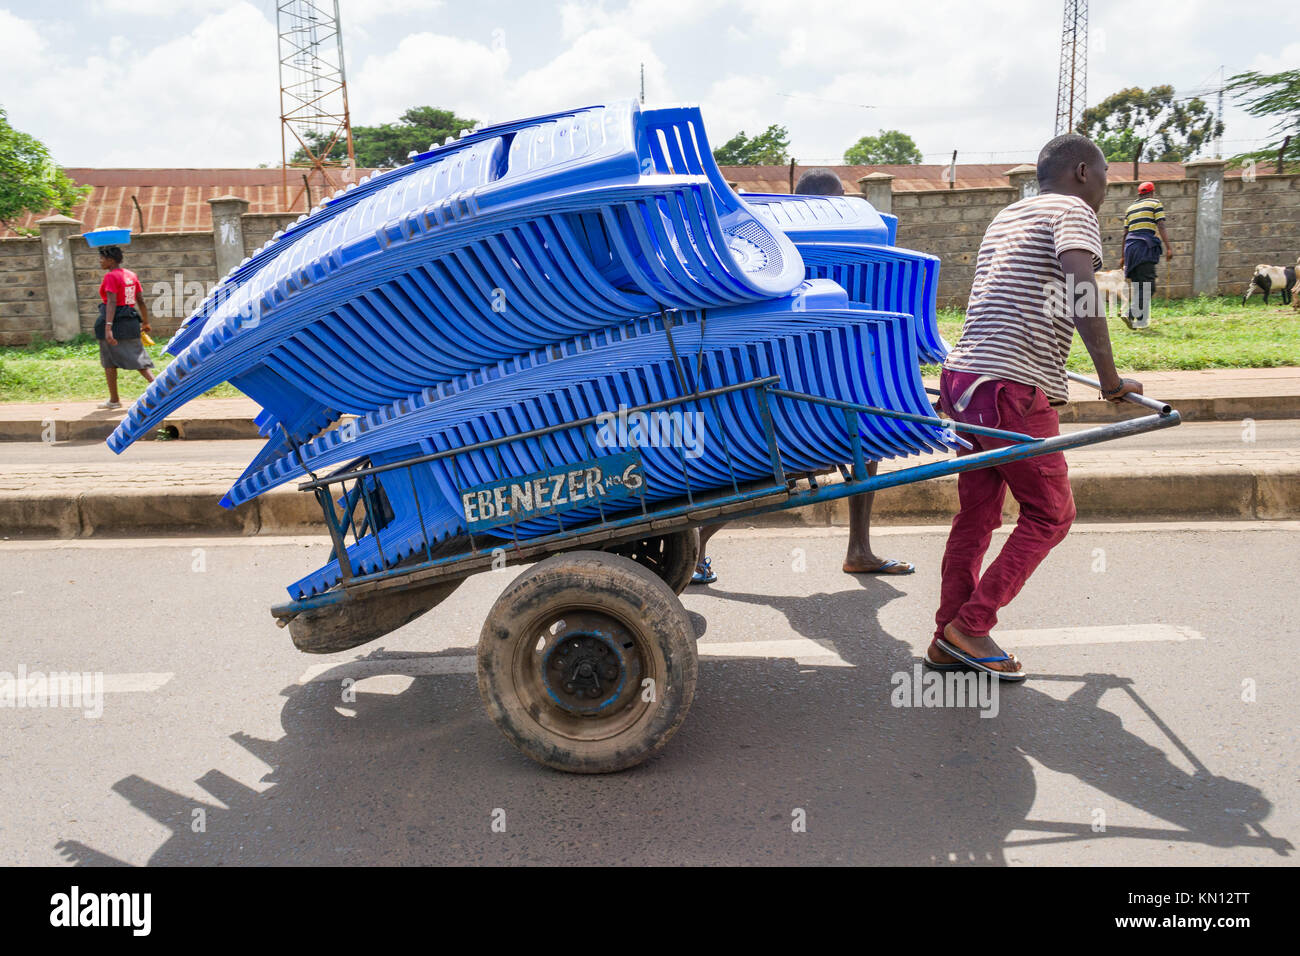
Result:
<point x="538" y="273"/>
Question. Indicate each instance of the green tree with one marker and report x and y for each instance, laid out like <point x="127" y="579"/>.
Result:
<point x="1120" y="147"/>
<point x="1150" y="125"/>
<point x="388" y="144"/>
<point x="769" y="148"/>
<point x="29" y="179"/>
<point x="1270" y="94"/>
<point x="890" y="148"/>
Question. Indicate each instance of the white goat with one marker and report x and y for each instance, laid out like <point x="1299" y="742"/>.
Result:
<point x="1112" y="286"/>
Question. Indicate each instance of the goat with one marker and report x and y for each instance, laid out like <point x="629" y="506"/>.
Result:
<point x="1112" y="285"/>
<point x="1267" y="278"/>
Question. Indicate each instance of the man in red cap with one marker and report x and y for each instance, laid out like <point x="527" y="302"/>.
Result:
<point x="1142" y="248"/>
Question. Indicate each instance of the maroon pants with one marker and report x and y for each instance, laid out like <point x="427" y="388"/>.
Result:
<point x="1041" y="486"/>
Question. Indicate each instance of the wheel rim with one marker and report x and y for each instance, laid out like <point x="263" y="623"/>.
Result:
<point x="579" y="673"/>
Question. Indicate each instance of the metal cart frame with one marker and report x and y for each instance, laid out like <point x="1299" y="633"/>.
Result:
<point x="604" y="613"/>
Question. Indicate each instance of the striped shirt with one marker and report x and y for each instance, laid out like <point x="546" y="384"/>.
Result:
<point x="1143" y="215"/>
<point x="1018" y="324"/>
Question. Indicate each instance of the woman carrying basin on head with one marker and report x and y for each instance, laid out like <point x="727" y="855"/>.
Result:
<point x="120" y="346"/>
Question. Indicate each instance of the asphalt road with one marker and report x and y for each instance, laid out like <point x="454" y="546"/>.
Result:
<point x="1159" y="726"/>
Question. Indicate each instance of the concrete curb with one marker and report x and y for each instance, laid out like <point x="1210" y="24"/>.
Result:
<point x="1268" y="492"/>
<point x="1223" y="409"/>
<point x="97" y="429"/>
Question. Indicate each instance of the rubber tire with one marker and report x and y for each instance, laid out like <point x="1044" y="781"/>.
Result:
<point x="672" y="557"/>
<point x="618" y="587"/>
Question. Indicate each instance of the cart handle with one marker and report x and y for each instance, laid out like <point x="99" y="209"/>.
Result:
<point x="905" y="416"/>
<point x="1151" y="403"/>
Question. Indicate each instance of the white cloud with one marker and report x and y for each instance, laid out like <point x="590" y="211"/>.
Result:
<point x="21" y="45"/>
<point x="639" y="17"/>
<point x="950" y="73"/>
<point x="601" y="65"/>
<point x="434" y="70"/>
<point x="153" y="9"/>
<point x="1265" y="62"/>
<point x="206" y="98"/>
<point x="360" y="12"/>
<point x="473" y="78"/>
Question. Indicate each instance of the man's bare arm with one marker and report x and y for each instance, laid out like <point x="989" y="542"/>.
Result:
<point x="1164" y="237"/>
<point x="1091" y="323"/>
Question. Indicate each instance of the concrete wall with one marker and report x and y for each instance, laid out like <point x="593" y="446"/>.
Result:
<point x="166" y="262"/>
<point x="1179" y="199"/>
<point x="176" y="269"/>
<point x="949" y="223"/>
<point x="260" y="227"/>
<point x="1261" y="224"/>
<point x="24" y="304"/>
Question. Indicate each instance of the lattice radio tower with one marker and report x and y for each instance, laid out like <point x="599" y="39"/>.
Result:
<point x="1072" y="88"/>
<point x="313" y="100"/>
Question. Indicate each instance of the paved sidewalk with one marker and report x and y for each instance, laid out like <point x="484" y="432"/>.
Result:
<point x="1202" y="471"/>
<point x="1219" y="395"/>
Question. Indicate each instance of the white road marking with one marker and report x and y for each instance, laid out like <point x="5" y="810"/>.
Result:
<point x="1103" y="634"/>
<point x="132" y="683"/>
<point x="38" y="680"/>
<point x="1287" y="526"/>
<point x="801" y="649"/>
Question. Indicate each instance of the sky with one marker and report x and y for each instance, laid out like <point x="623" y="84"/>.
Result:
<point x="194" y="83"/>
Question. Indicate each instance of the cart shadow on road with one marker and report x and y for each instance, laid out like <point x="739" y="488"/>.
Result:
<point x="413" y="772"/>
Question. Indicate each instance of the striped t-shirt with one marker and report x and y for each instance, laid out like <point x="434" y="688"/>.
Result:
<point x="1018" y="320"/>
<point x="1143" y="215"/>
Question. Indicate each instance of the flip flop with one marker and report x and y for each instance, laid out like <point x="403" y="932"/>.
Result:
<point x="935" y="666"/>
<point x="705" y="576"/>
<point x="981" y="663"/>
<point x="891" y="567"/>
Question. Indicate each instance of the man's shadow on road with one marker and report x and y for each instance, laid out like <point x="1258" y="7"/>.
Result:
<point x="416" y="776"/>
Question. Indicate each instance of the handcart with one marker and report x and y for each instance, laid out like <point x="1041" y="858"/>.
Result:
<point x="587" y="661"/>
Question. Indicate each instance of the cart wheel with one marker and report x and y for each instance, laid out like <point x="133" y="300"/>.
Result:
<point x="672" y="557"/>
<point x="587" y="662"/>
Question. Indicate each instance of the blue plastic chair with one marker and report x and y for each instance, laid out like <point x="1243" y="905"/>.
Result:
<point x="501" y="246"/>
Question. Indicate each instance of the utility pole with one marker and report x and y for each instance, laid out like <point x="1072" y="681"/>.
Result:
<point x="1218" y="118"/>
<point x="642" y="84"/>
<point x="1072" y="85"/>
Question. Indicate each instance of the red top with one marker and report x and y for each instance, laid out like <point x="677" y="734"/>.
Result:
<point x="124" y="284"/>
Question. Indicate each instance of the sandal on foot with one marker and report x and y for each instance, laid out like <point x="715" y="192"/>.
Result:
<point x="890" y="567"/>
<point x="704" y="573"/>
<point x="936" y="666"/>
<point x="981" y="663"/>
